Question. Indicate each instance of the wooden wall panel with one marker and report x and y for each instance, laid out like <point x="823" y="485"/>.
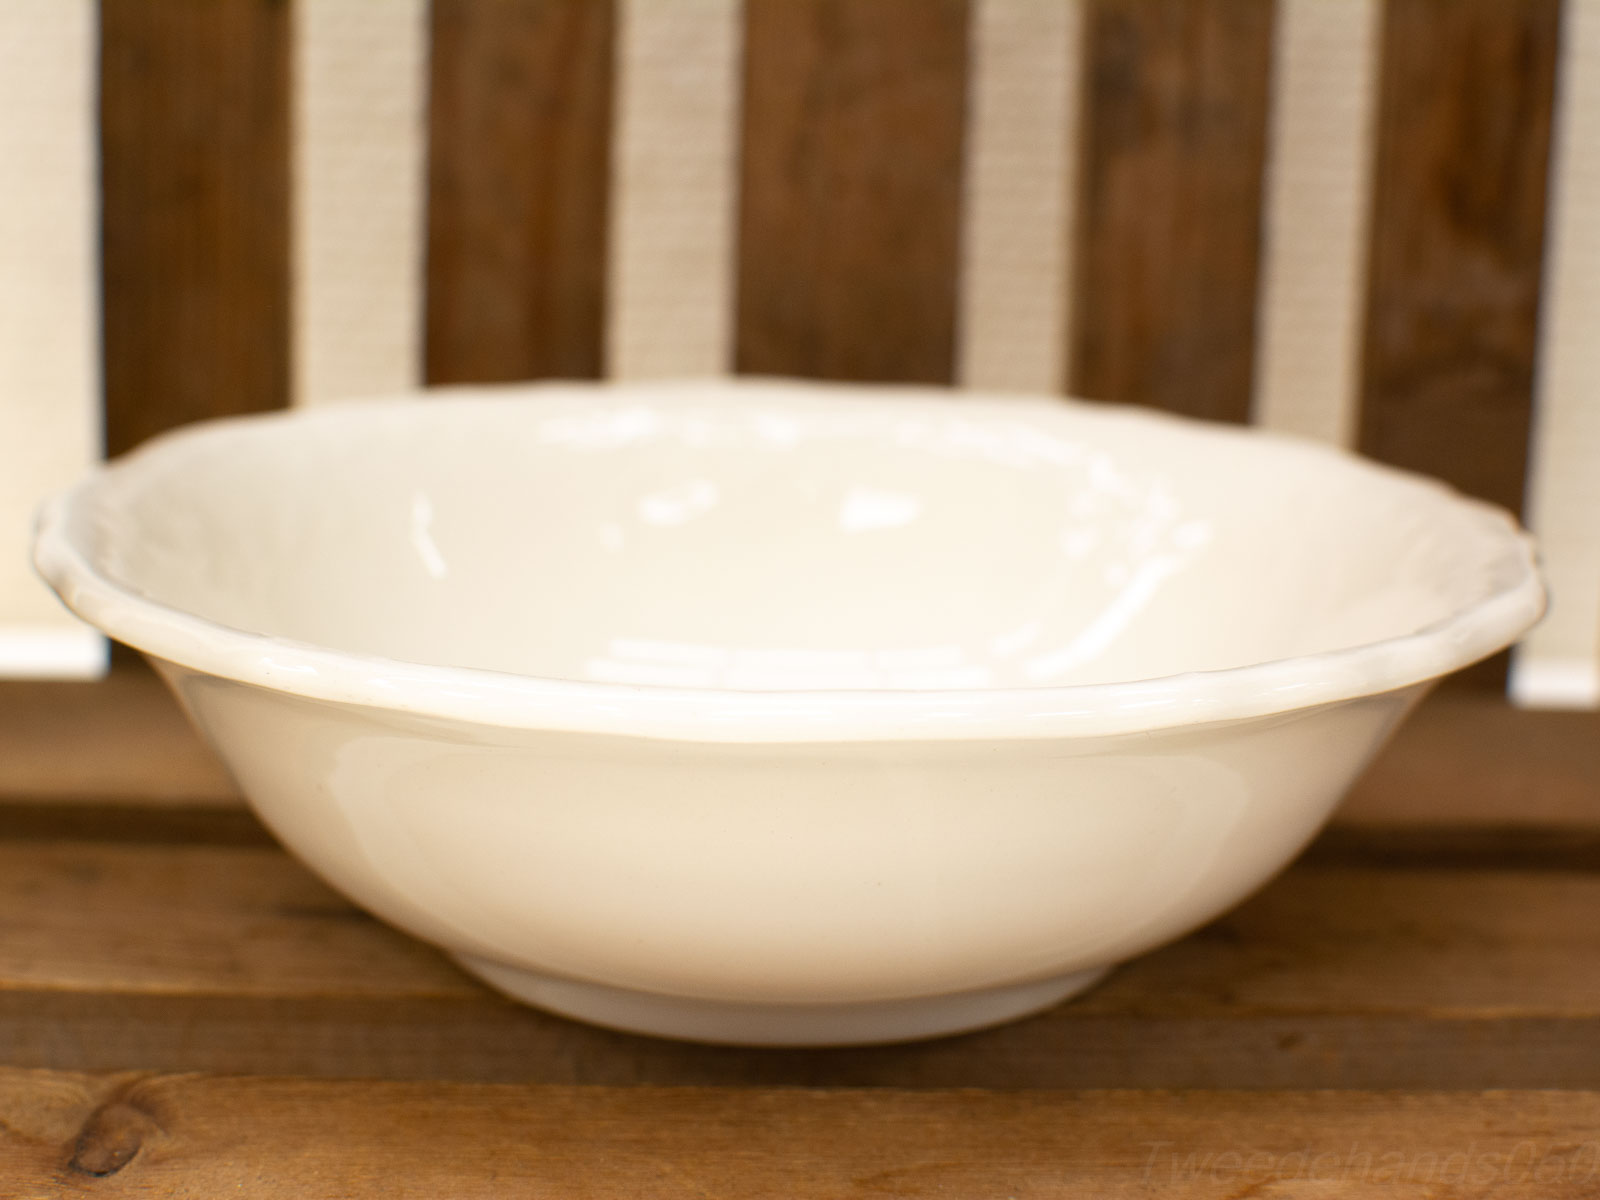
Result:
<point x="1169" y="213"/>
<point x="519" y="129"/>
<point x="1458" y="233"/>
<point x="851" y="181"/>
<point x="171" y="1134"/>
<point x="194" y="103"/>
<point x="852" y="149"/>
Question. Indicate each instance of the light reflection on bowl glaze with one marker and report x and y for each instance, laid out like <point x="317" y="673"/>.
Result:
<point x="771" y="713"/>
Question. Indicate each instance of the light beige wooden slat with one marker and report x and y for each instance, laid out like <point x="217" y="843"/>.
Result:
<point x="49" y="318"/>
<point x="1559" y="663"/>
<point x="198" y="1135"/>
<point x="360" y="110"/>
<point x="674" y="174"/>
<point x="1318" y="191"/>
<point x="1026" y="59"/>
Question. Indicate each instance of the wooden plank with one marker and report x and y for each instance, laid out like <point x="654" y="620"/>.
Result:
<point x="24" y="820"/>
<point x="1380" y="939"/>
<point x="123" y="739"/>
<point x="1468" y="758"/>
<point x="1421" y="847"/>
<point x="519" y="137"/>
<point x="1355" y="939"/>
<point x="194" y="103"/>
<point x="197" y="921"/>
<point x="1340" y="974"/>
<point x="129" y="1134"/>
<point x="1457" y="237"/>
<point x="495" y="1041"/>
<point x="851" y="179"/>
<point x="1324" y="937"/>
<point x="1170" y="207"/>
<point x="1463" y="759"/>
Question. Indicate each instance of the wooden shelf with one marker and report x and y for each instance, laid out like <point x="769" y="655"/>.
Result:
<point x="204" y="1136"/>
<point x="183" y="1008"/>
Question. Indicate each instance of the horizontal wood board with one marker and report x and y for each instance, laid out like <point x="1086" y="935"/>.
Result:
<point x="198" y="1135"/>
<point x="1463" y="758"/>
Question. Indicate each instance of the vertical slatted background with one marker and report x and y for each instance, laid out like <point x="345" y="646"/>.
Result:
<point x="49" y="364"/>
<point x="1327" y="216"/>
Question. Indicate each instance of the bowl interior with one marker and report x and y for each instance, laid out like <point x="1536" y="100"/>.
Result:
<point x="771" y="540"/>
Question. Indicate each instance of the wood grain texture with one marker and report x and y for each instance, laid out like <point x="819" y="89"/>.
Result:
<point x="1334" y="935"/>
<point x="138" y="1135"/>
<point x="1457" y="236"/>
<point x="519" y="141"/>
<point x="1431" y="940"/>
<point x="1451" y="333"/>
<point x="1467" y="758"/>
<point x="204" y="920"/>
<point x="121" y="740"/>
<point x="1464" y="759"/>
<point x="194" y="103"/>
<point x="495" y="1041"/>
<point x="1169" y="211"/>
<point x="851" y="180"/>
<point x="1341" y="974"/>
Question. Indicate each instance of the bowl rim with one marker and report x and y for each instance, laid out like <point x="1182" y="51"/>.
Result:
<point x="482" y="696"/>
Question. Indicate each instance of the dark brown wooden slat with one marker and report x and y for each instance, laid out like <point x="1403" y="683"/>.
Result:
<point x="194" y="110"/>
<point x="1436" y="846"/>
<point x="1457" y="242"/>
<point x="1457" y="238"/>
<point x="162" y="1134"/>
<point x="48" y="820"/>
<point x="1456" y="848"/>
<point x="488" y="1040"/>
<point x="851" y="177"/>
<point x="519" y="141"/>
<point x="1174" y="134"/>
<point x="1411" y="847"/>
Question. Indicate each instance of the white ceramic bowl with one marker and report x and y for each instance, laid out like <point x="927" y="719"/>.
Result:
<point x="777" y="713"/>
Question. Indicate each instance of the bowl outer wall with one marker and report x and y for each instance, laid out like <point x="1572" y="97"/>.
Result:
<point x="786" y="873"/>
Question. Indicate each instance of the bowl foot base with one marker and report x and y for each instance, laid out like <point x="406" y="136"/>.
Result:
<point x="779" y="1024"/>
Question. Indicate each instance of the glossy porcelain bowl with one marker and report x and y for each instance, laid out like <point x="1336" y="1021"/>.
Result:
<point x="785" y="714"/>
